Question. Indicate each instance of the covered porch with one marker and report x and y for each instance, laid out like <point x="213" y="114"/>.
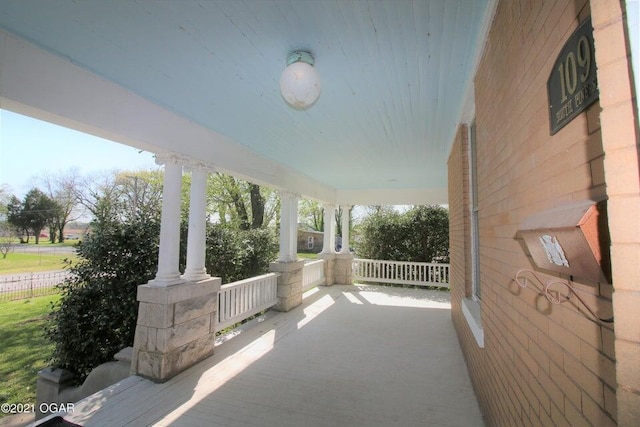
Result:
<point x="348" y="355"/>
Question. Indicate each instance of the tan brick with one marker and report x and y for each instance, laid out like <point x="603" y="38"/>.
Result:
<point x="598" y="364"/>
<point x="595" y="413"/>
<point x="619" y="164"/>
<point x="538" y="354"/>
<point x="614" y="84"/>
<point x="627" y="256"/>
<point x="545" y="419"/>
<point x="608" y="342"/>
<point x="628" y="407"/>
<point x="583" y="327"/>
<point x="557" y="416"/>
<point x="597" y="171"/>
<point x="622" y="228"/>
<point x="567" y="340"/>
<point x="625" y="304"/>
<point x="568" y="386"/>
<point x="540" y="393"/>
<point x="619" y="123"/>
<point x="604" y="12"/>
<point x="529" y="361"/>
<point x="593" y="118"/>
<point x="610" y="43"/>
<point x="628" y="360"/>
<point x="574" y="416"/>
<point x="610" y="402"/>
<point x="586" y="380"/>
<point x="551" y="348"/>
<point x="551" y="388"/>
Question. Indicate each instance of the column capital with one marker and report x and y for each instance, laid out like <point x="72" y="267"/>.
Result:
<point x="289" y="194"/>
<point x="346" y="207"/>
<point x="194" y="165"/>
<point x="169" y="159"/>
<point x="329" y="205"/>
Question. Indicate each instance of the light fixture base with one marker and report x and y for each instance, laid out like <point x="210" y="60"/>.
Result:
<point x="300" y="56"/>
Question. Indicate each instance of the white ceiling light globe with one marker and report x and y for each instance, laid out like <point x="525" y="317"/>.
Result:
<point x="300" y="82"/>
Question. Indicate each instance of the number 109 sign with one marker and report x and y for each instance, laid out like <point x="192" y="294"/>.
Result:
<point x="572" y="84"/>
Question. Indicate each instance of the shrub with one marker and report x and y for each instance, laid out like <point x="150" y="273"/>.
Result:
<point x="239" y="254"/>
<point x="96" y="315"/>
<point x="420" y="234"/>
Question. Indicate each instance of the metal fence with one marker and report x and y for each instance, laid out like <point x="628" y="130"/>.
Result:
<point x="29" y="285"/>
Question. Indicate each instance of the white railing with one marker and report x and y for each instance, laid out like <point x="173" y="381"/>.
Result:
<point x="401" y="273"/>
<point x="240" y="300"/>
<point x="313" y="275"/>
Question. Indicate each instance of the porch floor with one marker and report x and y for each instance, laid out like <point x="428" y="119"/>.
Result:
<point x="348" y="356"/>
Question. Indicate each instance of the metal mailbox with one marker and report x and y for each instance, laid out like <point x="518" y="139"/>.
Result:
<point x="571" y="240"/>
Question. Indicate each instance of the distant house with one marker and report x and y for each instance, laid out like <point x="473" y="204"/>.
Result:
<point x="309" y="239"/>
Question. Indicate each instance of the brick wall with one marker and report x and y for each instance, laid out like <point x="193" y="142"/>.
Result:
<point x="621" y="171"/>
<point x="542" y="364"/>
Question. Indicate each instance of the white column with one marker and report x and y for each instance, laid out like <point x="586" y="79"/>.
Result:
<point x="345" y="229"/>
<point x="293" y="227"/>
<point x="169" y="253"/>
<point x="285" y="227"/>
<point x="196" y="239"/>
<point x="329" y="239"/>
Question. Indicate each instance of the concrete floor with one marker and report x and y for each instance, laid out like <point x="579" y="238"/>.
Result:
<point x="349" y="356"/>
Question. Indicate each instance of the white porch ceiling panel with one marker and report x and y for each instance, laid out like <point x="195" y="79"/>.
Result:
<point x="394" y="77"/>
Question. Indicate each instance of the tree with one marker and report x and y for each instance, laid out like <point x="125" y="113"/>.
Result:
<point x="311" y="213"/>
<point x="7" y="236"/>
<point x="105" y="194"/>
<point x="17" y="218"/>
<point x="244" y="204"/>
<point x="64" y="189"/>
<point x="420" y="234"/>
<point x="5" y="198"/>
<point x="38" y="209"/>
<point x="140" y="191"/>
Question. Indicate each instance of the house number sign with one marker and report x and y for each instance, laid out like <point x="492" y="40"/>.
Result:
<point x="572" y="84"/>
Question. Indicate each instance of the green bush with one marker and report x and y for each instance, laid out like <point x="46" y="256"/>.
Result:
<point x="96" y="315"/>
<point x="420" y="234"/>
<point x="239" y="254"/>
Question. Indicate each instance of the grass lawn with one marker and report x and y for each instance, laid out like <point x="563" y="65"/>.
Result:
<point x="23" y="348"/>
<point x="29" y="263"/>
<point x="305" y="255"/>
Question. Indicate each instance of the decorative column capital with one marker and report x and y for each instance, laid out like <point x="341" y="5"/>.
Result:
<point x="169" y="159"/>
<point x="194" y="165"/>
<point x="288" y="194"/>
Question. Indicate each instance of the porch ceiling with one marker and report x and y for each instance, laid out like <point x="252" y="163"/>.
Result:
<point x="395" y="75"/>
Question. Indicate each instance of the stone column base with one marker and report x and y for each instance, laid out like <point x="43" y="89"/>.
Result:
<point x="344" y="269"/>
<point x="329" y="268"/>
<point x="175" y="328"/>
<point x="51" y="382"/>
<point x="289" y="284"/>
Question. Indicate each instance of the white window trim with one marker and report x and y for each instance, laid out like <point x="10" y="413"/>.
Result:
<point x="471" y="311"/>
<point x="471" y="306"/>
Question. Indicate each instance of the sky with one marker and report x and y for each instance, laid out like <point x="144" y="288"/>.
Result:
<point x="30" y="147"/>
